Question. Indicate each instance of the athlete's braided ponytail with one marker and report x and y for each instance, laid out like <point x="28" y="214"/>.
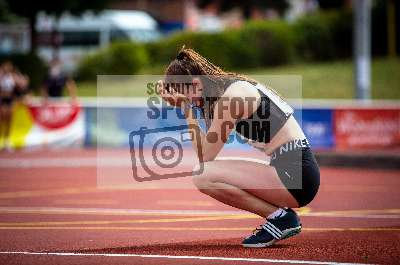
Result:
<point x="215" y="80"/>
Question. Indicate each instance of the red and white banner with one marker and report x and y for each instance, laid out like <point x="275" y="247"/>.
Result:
<point x="53" y="124"/>
<point x="55" y="116"/>
<point x="367" y="128"/>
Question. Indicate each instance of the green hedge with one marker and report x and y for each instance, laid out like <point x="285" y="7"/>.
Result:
<point x="268" y="43"/>
<point x="120" y="58"/>
<point x="323" y="36"/>
<point x="30" y="65"/>
<point x="318" y="37"/>
<point x="220" y="48"/>
<point x="256" y="44"/>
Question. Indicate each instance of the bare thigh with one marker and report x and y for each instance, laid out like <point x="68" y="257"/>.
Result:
<point x="257" y="178"/>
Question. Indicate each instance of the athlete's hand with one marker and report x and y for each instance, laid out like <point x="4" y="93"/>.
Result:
<point x="172" y="97"/>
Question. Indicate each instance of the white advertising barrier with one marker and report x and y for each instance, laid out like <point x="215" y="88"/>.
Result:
<point x="328" y="124"/>
<point x="52" y="124"/>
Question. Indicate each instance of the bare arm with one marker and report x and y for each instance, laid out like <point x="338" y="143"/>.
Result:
<point x="21" y="80"/>
<point x="44" y="92"/>
<point x="71" y="87"/>
<point x="217" y="135"/>
<point x="225" y="116"/>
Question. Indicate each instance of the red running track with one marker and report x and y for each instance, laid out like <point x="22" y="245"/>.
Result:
<point x="60" y="203"/>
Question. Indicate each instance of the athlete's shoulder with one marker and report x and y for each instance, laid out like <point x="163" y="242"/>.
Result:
<point x="241" y="88"/>
<point x="245" y="92"/>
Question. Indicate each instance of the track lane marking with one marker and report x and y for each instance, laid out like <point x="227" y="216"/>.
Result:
<point x="186" y="203"/>
<point x="139" y="221"/>
<point x="177" y="257"/>
<point x="367" y="213"/>
<point x="85" y="201"/>
<point x="364" y="211"/>
<point x="143" y="228"/>
<point x="73" y="190"/>
<point x="115" y="211"/>
<point x="45" y="193"/>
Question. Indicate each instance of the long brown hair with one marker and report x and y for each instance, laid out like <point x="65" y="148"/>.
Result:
<point x="215" y="80"/>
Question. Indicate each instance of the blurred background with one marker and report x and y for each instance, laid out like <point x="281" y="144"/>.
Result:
<point x="345" y="51"/>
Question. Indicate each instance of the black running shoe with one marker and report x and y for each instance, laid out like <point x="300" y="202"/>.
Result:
<point x="274" y="230"/>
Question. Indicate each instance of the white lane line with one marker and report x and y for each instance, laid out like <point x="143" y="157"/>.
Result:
<point x="177" y="257"/>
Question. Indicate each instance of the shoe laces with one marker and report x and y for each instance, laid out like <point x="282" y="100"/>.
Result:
<point x="258" y="229"/>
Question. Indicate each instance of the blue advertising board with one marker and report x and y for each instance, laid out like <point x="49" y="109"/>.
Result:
<point x="111" y="126"/>
<point x="317" y="125"/>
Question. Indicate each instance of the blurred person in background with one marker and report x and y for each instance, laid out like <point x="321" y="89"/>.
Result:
<point x="56" y="81"/>
<point x="22" y="86"/>
<point x="13" y="85"/>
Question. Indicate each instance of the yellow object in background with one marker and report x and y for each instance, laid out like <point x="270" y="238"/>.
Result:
<point x="21" y="124"/>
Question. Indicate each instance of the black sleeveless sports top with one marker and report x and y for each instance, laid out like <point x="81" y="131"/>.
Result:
<point x="271" y="115"/>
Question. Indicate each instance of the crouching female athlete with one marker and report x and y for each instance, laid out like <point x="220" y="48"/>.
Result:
<point x="291" y="180"/>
